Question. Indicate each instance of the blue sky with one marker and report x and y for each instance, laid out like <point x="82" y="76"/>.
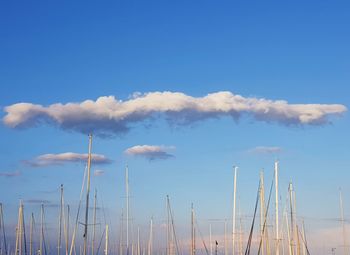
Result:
<point x="61" y="52"/>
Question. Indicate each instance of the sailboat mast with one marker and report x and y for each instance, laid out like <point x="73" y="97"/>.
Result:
<point x="304" y="238"/>
<point x="2" y="224"/>
<point x="234" y="209"/>
<point x="106" y="241"/>
<point x="60" y="223"/>
<point x="150" y="241"/>
<point x="193" y="251"/>
<point x="87" y="197"/>
<point x="276" y="207"/>
<point x="291" y="216"/>
<point x="94" y="225"/>
<point x="262" y="212"/>
<point x="127" y="208"/>
<point x="67" y="229"/>
<point x="41" y="228"/>
<point x="342" y="221"/>
<point x="18" y="239"/>
<point x="31" y="234"/>
<point x="168" y="226"/>
<point x="138" y="242"/>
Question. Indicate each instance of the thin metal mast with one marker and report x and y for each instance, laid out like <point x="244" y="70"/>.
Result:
<point x="296" y="229"/>
<point x="106" y="241"/>
<point x="138" y="242"/>
<point x="2" y="224"/>
<point x="41" y="228"/>
<point x="343" y="222"/>
<point x="60" y="223"/>
<point x="234" y="209"/>
<point x="304" y="238"/>
<point x="150" y="241"/>
<point x="276" y="208"/>
<point x="127" y="208"/>
<point x="31" y="234"/>
<point x="87" y="197"/>
<point x="18" y="231"/>
<point x="291" y="217"/>
<point x="94" y="226"/>
<point x="67" y="229"/>
<point x="290" y="250"/>
<point x="262" y="212"/>
<point x="193" y="245"/>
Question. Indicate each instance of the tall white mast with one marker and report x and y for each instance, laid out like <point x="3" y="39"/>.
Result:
<point x="234" y="209"/>
<point x="127" y="208"/>
<point x="276" y="209"/>
<point x="2" y="224"/>
<point x="87" y="197"/>
<point x="193" y="240"/>
<point x="106" y="241"/>
<point x="304" y="239"/>
<point x="168" y="226"/>
<point x="41" y="229"/>
<point x="67" y="229"/>
<point x="262" y="212"/>
<point x="343" y="223"/>
<point x="94" y="225"/>
<point x="150" y="241"/>
<point x="138" y="242"/>
<point x="290" y="250"/>
<point x="296" y="228"/>
<point x="291" y="217"/>
<point x="60" y="223"/>
<point x="31" y="234"/>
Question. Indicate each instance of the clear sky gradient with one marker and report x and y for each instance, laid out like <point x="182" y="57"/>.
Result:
<point x="61" y="52"/>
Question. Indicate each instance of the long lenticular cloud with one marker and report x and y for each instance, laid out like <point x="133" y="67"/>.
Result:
<point x="67" y="157"/>
<point x="110" y="116"/>
<point x="150" y="152"/>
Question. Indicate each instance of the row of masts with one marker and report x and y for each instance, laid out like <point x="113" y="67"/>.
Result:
<point x="291" y="235"/>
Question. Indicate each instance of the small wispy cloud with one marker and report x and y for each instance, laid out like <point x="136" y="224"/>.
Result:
<point x="37" y="201"/>
<point x="10" y="174"/>
<point x="266" y="150"/>
<point x="108" y="116"/>
<point x="67" y="157"/>
<point x="150" y="152"/>
<point x="99" y="172"/>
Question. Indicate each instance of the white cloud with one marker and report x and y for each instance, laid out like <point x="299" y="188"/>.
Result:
<point x="150" y="152"/>
<point x="37" y="201"/>
<point x="266" y="150"/>
<point x="109" y="116"/>
<point x="99" y="172"/>
<point x="67" y="157"/>
<point x="10" y="174"/>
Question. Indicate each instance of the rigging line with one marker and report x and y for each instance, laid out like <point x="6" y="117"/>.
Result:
<point x="44" y="230"/>
<point x="24" y="232"/>
<point x="200" y="234"/>
<point x="99" y="244"/>
<point x="77" y="217"/>
<point x="304" y="241"/>
<point x="267" y="210"/>
<point x="3" y="227"/>
<point x="173" y="227"/>
<point x="247" y="251"/>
